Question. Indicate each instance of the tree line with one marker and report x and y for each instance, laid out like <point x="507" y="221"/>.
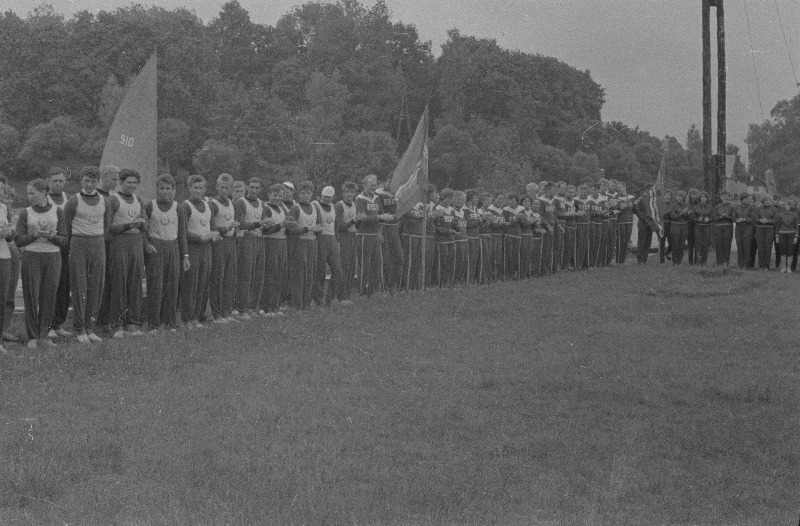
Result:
<point x="318" y="96"/>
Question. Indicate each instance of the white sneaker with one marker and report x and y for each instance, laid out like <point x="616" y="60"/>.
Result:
<point x="200" y="325"/>
<point x="118" y="334"/>
<point x="262" y="312"/>
<point x="94" y="338"/>
<point x="52" y="334"/>
<point x="32" y="344"/>
<point x="63" y="332"/>
<point x="234" y="312"/>
<point x="83" y="338"/>
<point x="270" y="315"/>
<point x="280" y="313"/>
<point x="245" y="317"/>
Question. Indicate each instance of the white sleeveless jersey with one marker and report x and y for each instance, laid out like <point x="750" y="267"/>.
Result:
<point x="164" y="225"/>
<point x="88" y="221"/>
<point x="224" y="217"/>
<point x="199" y="223"/>
<point x="327" y="219"/>
<point x="276" y="217"/>
<point x="39" y="222"/>
<point x="307" y="220"/>
<point x="126" y="213"/>
<point x="253" y="214"/>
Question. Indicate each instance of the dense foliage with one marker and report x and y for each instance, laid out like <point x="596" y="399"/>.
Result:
<point x="775" y="144"/>
<point x="319" y="95"/>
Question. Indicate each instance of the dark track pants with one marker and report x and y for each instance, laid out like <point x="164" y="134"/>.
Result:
<point x="40" y="276"/>
<point x="368" y="249"/>
<point x="678" y="232"/>
<point x="582" y="246"/>
<point x="569" y="249"/>
<point x="328" y="254"/>
<point x="445" y="263"/>
<point x="611" y="241"/>
<point x="664" y="243"/>
<point x="126" y="257"/>
<point x="303" y="262"/>
<point x="744" y="239"/>
<point x="62" y="294"/>
<point x="163" y="269"/>
<point x="765" y="237"/>
<point x="525" y="254"/>
<point x="475" y="255"/>
<point x="723" y="234"/>
<point x="702" y="240"/>
<point x="412" y="266"/>
<point x="462" y="268"/>
<point x="193" y="289"/>
<point x="537" y="253"/>
<point x="558" y="248"/>
<point x="276" y="257"/>
<point x="347" y="250"/>
<point x="644" y="239"/>
<point x="392" y="254"/>
<point x="250" y="272"/>
<point x="87" y="274"/>
<point x="595" y="238"/>
<point x="512" y="256"/>
<point x="6" y="271"/>
<point x="222" y="284"/>
<point x="623" y="239"/>
<point x="483" y="269"/>
<point x="691" y="242"/>
<point x="498" y="261"/>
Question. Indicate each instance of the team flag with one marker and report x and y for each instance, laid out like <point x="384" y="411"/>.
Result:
<point x="654" y="204"/>
<point x="411" y="175"/>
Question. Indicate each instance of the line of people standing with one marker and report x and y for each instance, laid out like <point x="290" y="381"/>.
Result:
<point x="759" y="225"/>
<point x="233" y="256"/>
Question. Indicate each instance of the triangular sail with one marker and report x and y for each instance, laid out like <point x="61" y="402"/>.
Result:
<point x="131" y="141"/>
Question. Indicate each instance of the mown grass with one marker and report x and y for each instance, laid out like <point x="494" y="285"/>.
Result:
<point x="643" y="395"/>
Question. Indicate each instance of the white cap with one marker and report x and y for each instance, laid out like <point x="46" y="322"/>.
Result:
<point x="328" y="191"/>
<point x="289" y="185"/>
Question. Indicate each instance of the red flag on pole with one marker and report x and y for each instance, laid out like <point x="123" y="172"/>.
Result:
<point x="410" y="178"/>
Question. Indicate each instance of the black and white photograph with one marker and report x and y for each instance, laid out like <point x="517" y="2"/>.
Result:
<point x="401" y="263"/>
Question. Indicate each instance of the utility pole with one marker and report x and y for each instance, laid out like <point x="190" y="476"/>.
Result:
<point x="721" y="89"/>
<point x="713" y="165"/>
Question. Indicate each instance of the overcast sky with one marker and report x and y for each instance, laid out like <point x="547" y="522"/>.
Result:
<point x="645" y="53"/>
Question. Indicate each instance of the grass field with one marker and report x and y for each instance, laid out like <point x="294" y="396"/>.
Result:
<point x="637" y="395"/>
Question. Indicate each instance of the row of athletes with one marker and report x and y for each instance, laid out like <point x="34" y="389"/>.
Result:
<point x="692" y="225"/>
<point x="241" y="256"/>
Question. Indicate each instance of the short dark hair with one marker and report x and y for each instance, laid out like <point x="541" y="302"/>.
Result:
<point x="305" y="186"/>
<point x="91" y="172"/>
<point x="165" y="179"/>
<point x="127" y="173"/>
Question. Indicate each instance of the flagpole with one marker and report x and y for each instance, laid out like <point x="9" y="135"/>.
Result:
<point x="424" y="238"/>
